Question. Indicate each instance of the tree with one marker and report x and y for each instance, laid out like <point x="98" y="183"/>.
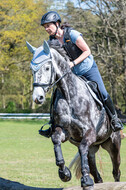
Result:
<point x="20" y="21"/>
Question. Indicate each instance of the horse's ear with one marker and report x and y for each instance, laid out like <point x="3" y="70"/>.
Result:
<point x="30" y="47"/>
<point x="46" y="47"/>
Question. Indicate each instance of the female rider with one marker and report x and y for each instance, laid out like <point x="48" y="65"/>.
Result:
<point x="81" y="60"/>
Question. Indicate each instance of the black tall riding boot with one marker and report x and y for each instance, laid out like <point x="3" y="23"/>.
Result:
<point x="115" y="121"/>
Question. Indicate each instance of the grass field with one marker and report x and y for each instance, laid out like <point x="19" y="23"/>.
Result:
<point x="28" y="158"/>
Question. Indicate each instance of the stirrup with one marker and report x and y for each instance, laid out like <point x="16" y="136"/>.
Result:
<point x="46" y="133"/>
<point x="116" y="124"/>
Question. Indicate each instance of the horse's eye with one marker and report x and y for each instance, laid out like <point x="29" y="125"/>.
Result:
<point x="47" y="69"/>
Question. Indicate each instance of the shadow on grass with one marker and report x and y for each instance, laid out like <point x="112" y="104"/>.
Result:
<point x="12" y="185"/>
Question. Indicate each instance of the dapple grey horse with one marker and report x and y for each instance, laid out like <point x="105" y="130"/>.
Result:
<point x="76" y="115"/>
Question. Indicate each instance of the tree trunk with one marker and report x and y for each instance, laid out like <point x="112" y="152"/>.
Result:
<point x="3" y="95"/>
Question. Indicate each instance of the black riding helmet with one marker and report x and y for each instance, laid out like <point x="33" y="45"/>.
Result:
<point x="50" y="16"/>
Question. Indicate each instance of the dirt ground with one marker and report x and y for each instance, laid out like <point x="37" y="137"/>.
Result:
<point x="104" y="186"/>
<point x="11" y="185"/>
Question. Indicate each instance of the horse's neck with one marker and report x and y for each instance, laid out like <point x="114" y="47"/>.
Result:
<point x="64" y="87"/>
<point x="61" y="68"/>
<point x="69" y="83"/>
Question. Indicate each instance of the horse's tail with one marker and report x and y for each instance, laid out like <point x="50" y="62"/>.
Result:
<point x="76" y="162"/>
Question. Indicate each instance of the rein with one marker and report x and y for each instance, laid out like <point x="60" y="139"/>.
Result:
<point x="51" y="86"/>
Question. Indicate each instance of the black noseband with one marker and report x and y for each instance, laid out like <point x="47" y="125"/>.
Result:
<point x="40" y="85"/>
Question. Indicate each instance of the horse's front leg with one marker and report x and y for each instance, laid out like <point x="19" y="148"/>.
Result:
<point x="57" y="137"/>
<point x="86" y="180"/>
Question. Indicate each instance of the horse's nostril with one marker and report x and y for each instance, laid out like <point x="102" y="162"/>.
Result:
<point x="41" y="97"/>
<point x="36" y="101"/>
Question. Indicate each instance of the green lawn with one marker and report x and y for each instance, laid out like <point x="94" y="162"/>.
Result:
<point x="28" y="158"/>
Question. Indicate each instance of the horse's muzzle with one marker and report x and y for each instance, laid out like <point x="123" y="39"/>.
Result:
<point x="39" y="100"/>
<point x="38" y="95"/>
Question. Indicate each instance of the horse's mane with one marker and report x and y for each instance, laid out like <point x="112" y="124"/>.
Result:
<point x="58" y="47"/>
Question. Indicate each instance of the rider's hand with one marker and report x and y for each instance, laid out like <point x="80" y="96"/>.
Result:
<point x="71" y="64"/>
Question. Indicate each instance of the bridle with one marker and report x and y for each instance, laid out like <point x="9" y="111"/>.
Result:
<point x="43" y="84"/>
<point x="50" y="84"/>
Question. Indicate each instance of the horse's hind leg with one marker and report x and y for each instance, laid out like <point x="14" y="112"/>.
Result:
<point x="112" y="145"/>
<point x="57" y="137"/>
<point x="92" y="164"/>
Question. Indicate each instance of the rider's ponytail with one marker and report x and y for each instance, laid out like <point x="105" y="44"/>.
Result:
<point x="64" y="25"/>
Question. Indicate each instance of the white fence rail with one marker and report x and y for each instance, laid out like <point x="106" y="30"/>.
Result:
<point x="24" y="115"/>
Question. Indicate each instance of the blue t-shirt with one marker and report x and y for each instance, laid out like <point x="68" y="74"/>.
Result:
<point x="86" y="64"/>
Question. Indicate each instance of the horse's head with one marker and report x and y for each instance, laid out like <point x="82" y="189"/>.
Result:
<point x="42" y="70"/>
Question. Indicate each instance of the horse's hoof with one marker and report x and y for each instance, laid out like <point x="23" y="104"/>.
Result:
<point x="99" y="181"/>
<point x="86" y="181"/>
<point x="65" y="174"/>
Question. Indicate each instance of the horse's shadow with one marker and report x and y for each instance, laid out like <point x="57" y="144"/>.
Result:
<point x="12" y="185"/>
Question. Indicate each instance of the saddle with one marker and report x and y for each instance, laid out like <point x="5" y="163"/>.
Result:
<point x="94" y="91"/>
